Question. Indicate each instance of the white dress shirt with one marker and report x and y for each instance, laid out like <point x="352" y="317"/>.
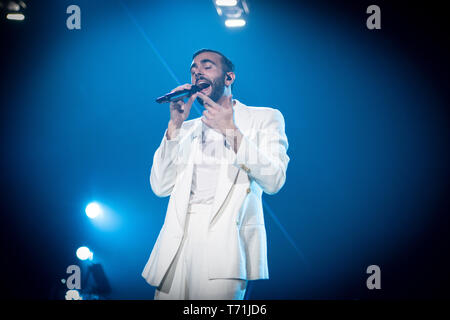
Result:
<point x="206" y="166"/>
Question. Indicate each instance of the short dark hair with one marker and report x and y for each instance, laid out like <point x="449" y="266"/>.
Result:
<point x="227" y="65"/>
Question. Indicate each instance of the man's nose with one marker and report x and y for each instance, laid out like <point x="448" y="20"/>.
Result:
<point x="197" y="75"/>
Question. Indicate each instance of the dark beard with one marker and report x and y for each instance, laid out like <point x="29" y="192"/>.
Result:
<point x="218" y="87"/>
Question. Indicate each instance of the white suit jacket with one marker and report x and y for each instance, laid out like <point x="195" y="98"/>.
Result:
<point x="237" y="246"/>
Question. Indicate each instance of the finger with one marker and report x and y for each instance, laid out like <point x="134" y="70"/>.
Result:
<point x="190" y="101"/>
<point x="208" y="100"/>
<point x="207" y="114"/>
<point x="184" y="86"/>
<point x="211" y="109"/>
<point x="177" y="105"/>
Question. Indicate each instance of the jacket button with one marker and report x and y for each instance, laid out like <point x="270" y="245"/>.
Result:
<point x="248" y="190"/>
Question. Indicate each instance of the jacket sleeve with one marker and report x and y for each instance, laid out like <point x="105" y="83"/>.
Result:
<point x="263" y="155"/>
<point x="164" y="171"/>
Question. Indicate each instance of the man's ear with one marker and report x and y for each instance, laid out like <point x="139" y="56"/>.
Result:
<point x="229" y="78"/>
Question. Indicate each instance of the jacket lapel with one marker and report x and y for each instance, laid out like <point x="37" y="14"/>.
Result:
<point x="227" y="178"/>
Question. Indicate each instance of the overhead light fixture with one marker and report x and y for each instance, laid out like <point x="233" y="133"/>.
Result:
<point x="15" y="16"/>
<point x="234" y="12"/>
<point x="233" y="23"/>
<point x="226" y="3"/>
<point x="12" y="10"/>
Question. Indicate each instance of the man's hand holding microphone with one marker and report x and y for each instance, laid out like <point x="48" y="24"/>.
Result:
<point x="179" y="111"/>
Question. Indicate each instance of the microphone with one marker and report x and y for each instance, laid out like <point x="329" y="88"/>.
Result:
<point x="180" y="94"/>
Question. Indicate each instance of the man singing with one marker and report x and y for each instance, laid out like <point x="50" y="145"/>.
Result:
<point x="215" y="169"/>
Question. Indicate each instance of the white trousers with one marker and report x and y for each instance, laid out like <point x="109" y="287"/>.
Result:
<point x="187" y="277"/>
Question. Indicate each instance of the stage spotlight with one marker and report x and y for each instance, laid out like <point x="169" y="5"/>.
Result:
<point x="233" y="23"/>
<point x="83" y="253"/>
<point x="15" y="16"/>
<point x="226" y="3"/>
<point x="93" y="210"/>
<point x="12" y="10"/>
<point x="234" y="12"/>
